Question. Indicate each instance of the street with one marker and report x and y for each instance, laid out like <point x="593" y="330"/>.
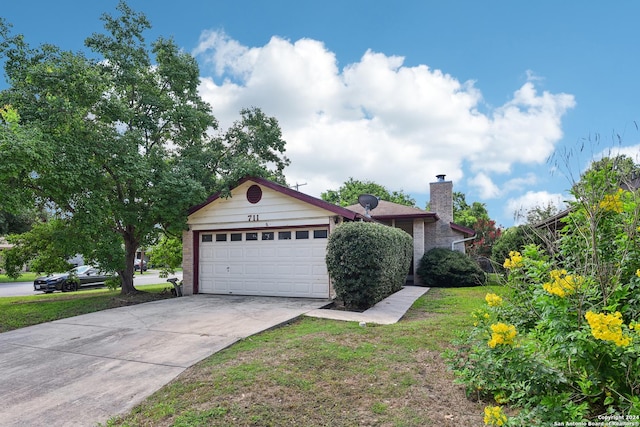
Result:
<point x="26" y="288"/>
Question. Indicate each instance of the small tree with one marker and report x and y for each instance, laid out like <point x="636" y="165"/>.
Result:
<point x="166" y="254"/>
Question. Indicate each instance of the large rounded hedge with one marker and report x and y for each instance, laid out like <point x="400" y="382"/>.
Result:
<point x="367" y="262"/>
<point x="444" y="268"/>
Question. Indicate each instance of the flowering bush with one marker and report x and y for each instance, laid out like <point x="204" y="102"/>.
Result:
<point x="501" y="333"/>
<point x="563" y="341"/>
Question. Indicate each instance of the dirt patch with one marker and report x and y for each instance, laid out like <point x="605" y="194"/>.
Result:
<point x="339" y="306"/>
<point x="117" y="300"/>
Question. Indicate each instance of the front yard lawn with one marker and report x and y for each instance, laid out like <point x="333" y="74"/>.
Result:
<point x="323" y="372"/>
<point x="24" y="277"/>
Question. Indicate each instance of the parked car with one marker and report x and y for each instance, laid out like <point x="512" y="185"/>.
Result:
<point x="86" y="275"/>
<point x="136" y="265"/>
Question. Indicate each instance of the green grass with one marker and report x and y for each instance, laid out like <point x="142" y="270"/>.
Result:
<point x="19" y="312"/>
<point x="325" y="372"/>
<point x="24" y="277"/>
<point x="309" y="372"/>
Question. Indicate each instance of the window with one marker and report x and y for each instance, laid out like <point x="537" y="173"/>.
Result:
<point x="252" y="236"/>
<point x="221" y="237"/>
<point x="284" y="235"/>
<point x="319" y="234"/>
<point x="302" y="234"/>
<point x="254" y="194"/>
<point x="207" y="237"/>
<point x="236" y="237"/>
<point x="267" y="235"/>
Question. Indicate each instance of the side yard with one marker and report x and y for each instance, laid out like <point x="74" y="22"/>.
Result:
<point x="323" y="372"/>
<point x="19" y="312"/>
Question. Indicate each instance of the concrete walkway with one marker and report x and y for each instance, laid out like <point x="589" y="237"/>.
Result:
<point x="83" y="370"/>
<point x="386" y="312"/>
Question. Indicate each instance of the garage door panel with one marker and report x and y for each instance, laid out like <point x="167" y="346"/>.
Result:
<point x="283" y="269"/>
<point x="302" y="270"/>
<point x="285" y="252"/>
<point x="319" y="270"/>
<point x="278" y="267"/>
<point x="270" y="270"/>
<point x="251" y="253"/>
<point x="303" y="252"/>
<point x="319" y="252"/>
<point x="269" y="252"/>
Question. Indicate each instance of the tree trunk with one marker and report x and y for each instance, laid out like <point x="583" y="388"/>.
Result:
<point x="126" y="276"/>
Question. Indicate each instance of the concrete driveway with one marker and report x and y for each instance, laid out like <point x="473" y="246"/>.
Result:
<point x="83" y="370"/>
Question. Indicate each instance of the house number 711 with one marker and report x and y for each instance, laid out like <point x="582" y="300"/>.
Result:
<point x="253" y="218"/>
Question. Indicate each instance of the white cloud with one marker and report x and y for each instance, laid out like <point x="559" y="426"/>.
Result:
<point x="376" y="118"/>
<point x="633" y="152"/>
<point x="520" y="205"/>
<point x="485" y="186"/>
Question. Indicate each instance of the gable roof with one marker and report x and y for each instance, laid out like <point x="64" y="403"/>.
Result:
<point x="390" y="210"/>
<point x="338" y="210"/>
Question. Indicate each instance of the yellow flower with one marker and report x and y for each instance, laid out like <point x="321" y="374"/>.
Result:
<point x="502" y="334"/>
<point x="635" y="326"/>
<point x="607" y="327"/>
<point x="612" y="202"/>
<point x="493" y="416"/>
<point x="514" y="260"/>
<point x="638" y="272"/>
<point x="562" y="284"/>
<point x="493" y="300"/>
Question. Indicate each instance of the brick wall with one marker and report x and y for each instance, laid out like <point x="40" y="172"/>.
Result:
<point x="419" y="238"/>
<point x="187" y="262"/>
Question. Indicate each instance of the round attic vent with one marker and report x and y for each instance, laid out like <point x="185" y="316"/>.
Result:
<point x="254" y="194"/>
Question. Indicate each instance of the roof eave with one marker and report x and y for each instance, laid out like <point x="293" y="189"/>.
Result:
<point x="462" y="229"/>
<point x="338" y="210"/>
<point x="408" y="216"/>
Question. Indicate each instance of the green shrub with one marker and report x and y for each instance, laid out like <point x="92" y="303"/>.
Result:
<point x="444" y="268"/>
<point x="367" y="262"/>
<point x="571" y="322"/>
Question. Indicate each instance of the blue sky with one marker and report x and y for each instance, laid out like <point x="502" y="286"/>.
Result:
<point x="398" y="92"/>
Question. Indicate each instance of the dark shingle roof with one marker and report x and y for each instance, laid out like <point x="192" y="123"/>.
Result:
<point x="389" y="210"/>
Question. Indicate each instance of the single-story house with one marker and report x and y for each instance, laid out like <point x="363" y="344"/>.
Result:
<point x="268" y="239"/>
<point x="429" y="230"/>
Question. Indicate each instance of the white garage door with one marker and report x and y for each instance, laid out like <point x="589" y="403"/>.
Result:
<point x="283" y="262"/>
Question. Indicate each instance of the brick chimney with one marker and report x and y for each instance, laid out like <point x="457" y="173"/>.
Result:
<point x="441" y="199"/>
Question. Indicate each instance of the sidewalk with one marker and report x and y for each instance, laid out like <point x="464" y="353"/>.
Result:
<point x="386" y="312"/>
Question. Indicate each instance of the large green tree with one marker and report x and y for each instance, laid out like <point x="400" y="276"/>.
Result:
<point x="117" y="145"/>
<point x="348" y="193"/>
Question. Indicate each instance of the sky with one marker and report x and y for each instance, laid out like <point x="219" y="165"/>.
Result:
<point x="509" y="99"/>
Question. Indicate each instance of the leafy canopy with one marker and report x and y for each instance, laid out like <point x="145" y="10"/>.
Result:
<point x="465" y="214"/>
<point x="118" y="145"/>
<point x="348" y="193"/>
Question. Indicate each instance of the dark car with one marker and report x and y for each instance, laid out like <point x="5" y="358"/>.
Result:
<point x="85" y="275"/>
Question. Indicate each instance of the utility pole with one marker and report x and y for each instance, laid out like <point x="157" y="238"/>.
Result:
<point x="297" y="186"/>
